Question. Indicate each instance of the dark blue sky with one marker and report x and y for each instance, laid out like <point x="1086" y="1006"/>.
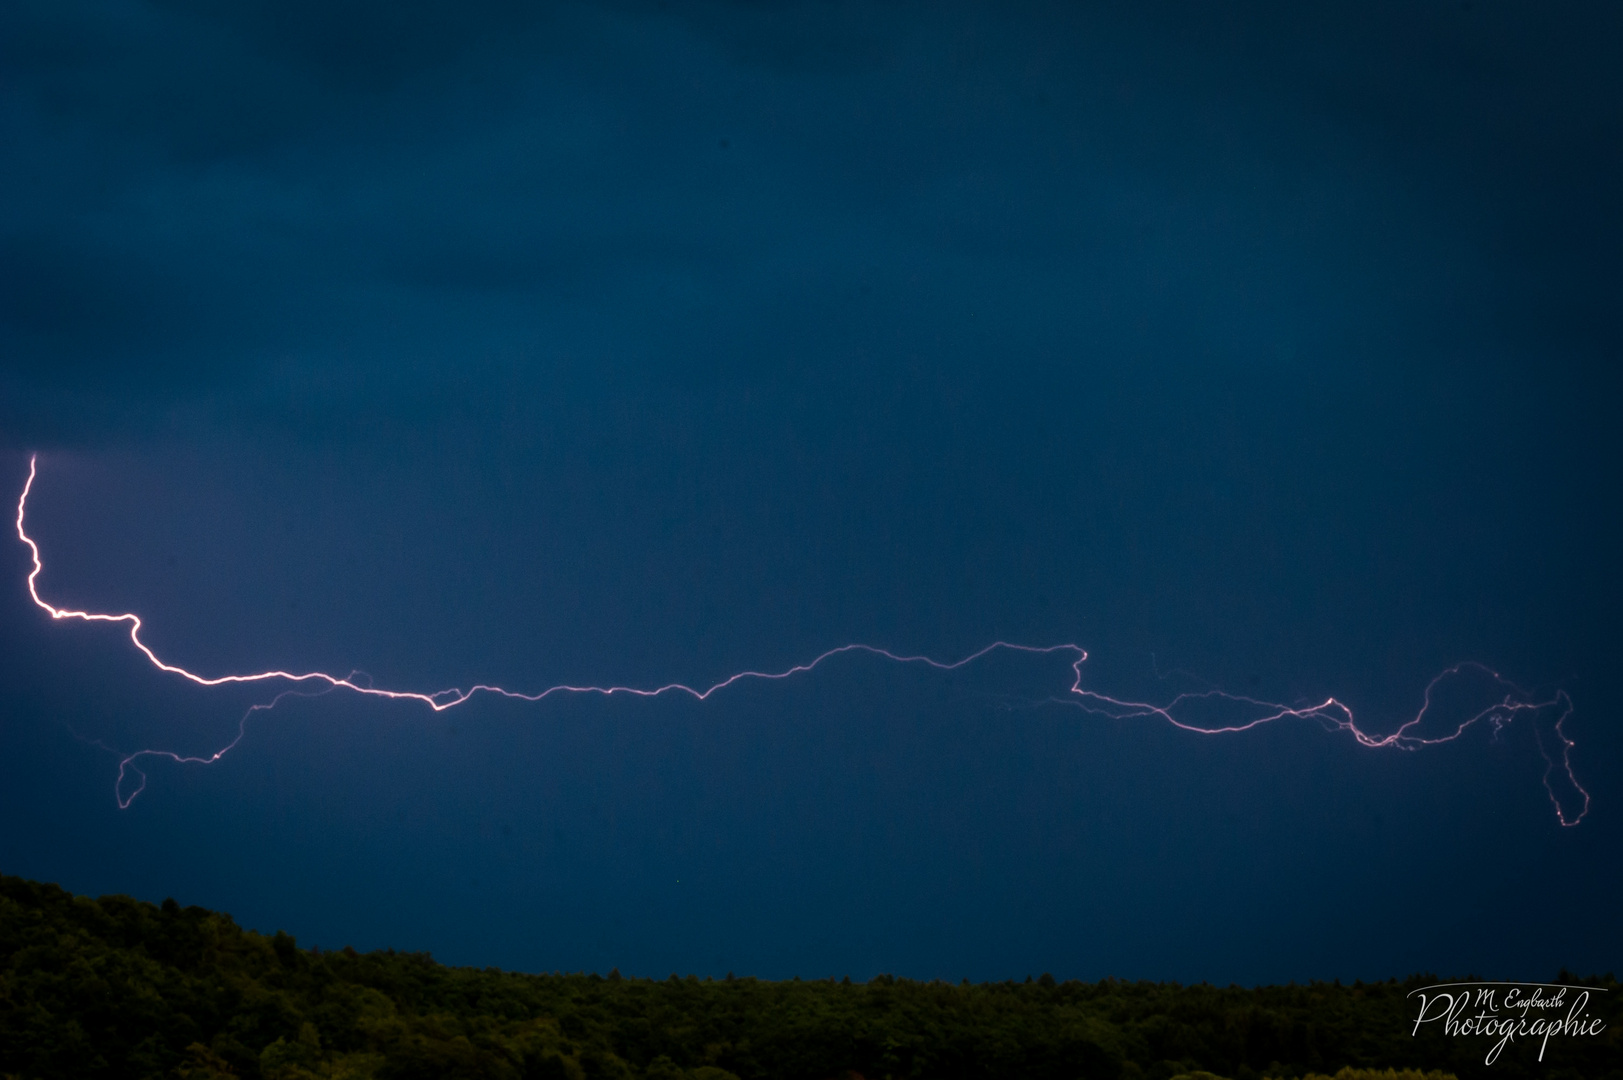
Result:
<point x="632" y="343"/>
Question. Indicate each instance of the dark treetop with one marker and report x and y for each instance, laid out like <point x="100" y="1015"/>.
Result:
<point x="118" y="988"/>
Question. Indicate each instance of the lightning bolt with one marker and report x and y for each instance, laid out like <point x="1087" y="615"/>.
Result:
<point x="1330" y="713"/>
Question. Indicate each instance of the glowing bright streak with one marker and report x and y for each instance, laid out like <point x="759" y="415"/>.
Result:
<point x="1330" y="712"/>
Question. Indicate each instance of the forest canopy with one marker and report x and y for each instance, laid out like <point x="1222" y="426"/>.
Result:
<point x="118" y="988"/>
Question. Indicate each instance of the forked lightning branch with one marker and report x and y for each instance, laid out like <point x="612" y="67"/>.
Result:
<point x="1505" y="701"/>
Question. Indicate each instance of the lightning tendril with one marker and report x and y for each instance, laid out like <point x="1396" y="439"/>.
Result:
<point x="1330" y="713"/>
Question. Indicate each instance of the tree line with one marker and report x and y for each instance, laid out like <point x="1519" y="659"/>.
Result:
<point x="118" y="988"/>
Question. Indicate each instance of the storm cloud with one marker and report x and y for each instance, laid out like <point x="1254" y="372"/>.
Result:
<point x="630" y="342"/>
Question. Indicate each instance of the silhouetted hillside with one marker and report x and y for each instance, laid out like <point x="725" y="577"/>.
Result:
<point x="117" y="988"/>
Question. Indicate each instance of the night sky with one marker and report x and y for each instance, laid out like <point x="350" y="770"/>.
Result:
<point x="1270" y="347"/>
